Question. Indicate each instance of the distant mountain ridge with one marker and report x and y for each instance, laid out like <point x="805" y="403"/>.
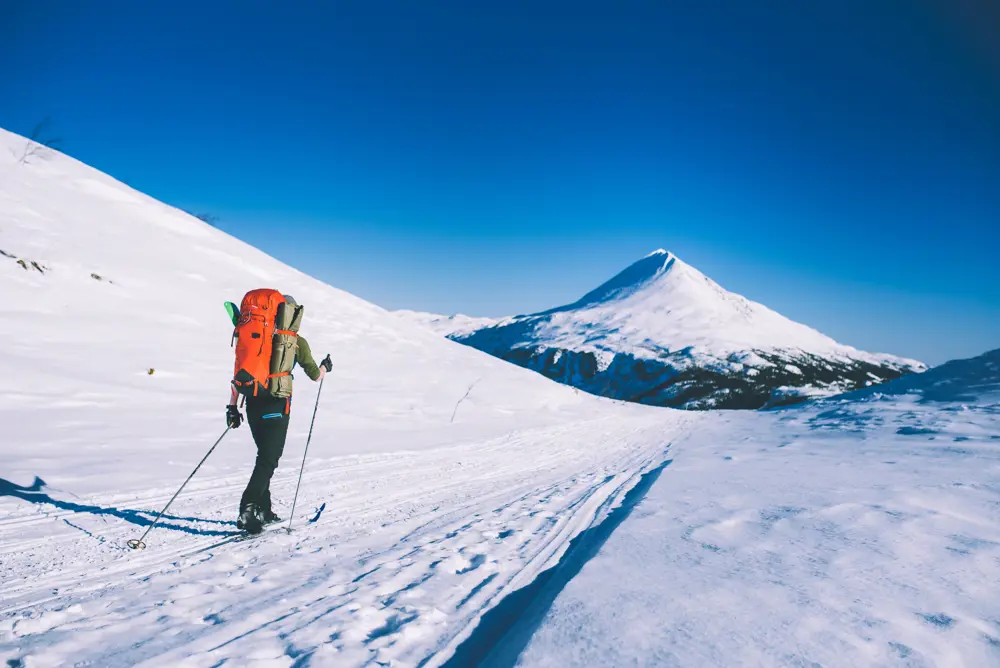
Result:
<point x="958" y="380"/>
<point x="661" y="332"/>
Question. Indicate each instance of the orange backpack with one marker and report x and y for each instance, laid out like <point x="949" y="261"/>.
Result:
<point x="254" y="336"/>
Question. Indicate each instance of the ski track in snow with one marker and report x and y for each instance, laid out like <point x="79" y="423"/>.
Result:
<point x="409" y="553"/>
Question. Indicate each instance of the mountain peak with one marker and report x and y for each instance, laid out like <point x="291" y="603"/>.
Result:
<point x="628" y="281"/>
<point x="660" y="304"/>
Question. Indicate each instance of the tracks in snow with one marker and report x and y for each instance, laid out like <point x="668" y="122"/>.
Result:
<point x="412" y="549"/>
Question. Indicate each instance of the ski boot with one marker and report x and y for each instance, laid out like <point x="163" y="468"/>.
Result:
<point x="250" y="519"/>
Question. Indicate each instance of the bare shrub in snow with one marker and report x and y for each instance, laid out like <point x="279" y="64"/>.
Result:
<point x="39" y="145"/>
<point x="209" y="218"/>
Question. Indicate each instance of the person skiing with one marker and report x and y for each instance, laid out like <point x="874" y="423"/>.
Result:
<point x="268" y="405"/>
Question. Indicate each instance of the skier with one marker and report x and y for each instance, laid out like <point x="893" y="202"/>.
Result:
<point x="268" y="414"/>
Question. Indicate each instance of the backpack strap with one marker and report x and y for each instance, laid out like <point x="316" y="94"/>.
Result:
<point x="286" y="331"/>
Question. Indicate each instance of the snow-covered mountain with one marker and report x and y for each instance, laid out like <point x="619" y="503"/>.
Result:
<point x="663" y="333"/>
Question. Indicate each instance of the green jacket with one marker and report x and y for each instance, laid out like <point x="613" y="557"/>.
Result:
<point x="304" y="358"/>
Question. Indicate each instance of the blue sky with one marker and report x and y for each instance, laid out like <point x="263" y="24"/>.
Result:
<point x="839" y="162"/>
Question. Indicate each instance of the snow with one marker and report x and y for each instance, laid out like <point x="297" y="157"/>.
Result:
<point x="860" y="531"/>
<point x="427" y="507"/>
<point x="442" y="484"/>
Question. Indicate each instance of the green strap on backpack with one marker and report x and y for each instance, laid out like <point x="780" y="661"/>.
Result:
<point x="234" y="313"/>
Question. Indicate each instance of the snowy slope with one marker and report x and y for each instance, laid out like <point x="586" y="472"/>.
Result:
<point x="854" y="532"/>
<point x="439" y="478"/>
<point x="661" y="332"/>
<point x="158" y="304"/>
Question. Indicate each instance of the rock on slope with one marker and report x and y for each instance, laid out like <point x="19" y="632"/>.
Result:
<point x="663" y="333"/>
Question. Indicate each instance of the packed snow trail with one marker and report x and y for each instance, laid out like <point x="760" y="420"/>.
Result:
<point x="409" y="553"/>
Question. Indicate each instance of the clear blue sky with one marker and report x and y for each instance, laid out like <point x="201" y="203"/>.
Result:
<point x="838" y="161"/>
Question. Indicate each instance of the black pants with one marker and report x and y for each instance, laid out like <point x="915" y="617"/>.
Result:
<point x="268" y="420"/>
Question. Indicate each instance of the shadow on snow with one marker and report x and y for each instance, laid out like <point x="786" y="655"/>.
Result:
<point x="35" y="494"/>
<point x="505" y="630"/>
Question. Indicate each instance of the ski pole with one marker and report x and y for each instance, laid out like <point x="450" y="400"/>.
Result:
<point x="138" y="544"/>
<point x="291" y="515"/>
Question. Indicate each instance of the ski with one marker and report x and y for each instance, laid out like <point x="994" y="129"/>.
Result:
<point x="236" y="537"/>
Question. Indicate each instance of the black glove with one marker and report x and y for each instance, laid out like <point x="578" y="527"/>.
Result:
<point x="233" y="417"/>
<point x="327" y="364"/>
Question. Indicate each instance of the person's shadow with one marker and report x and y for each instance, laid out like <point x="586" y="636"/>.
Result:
<point x="35" y="494"/>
